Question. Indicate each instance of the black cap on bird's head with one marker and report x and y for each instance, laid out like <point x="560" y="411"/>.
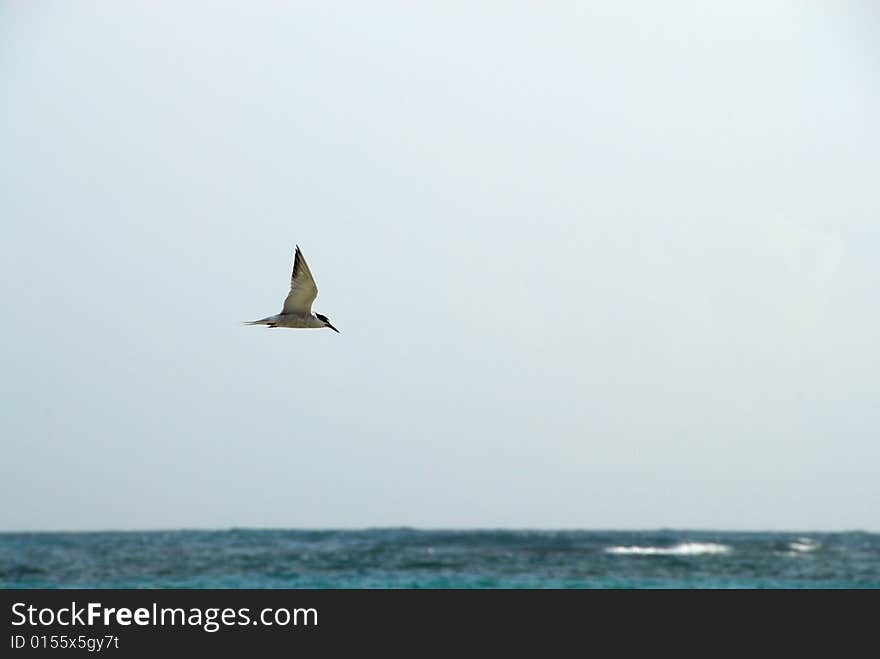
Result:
<point x="326" y="322"/>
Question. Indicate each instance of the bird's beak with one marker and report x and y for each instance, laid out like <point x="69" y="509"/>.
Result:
<point x="333" y="328"/>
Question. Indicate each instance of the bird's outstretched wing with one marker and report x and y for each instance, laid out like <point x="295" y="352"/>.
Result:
<point x="303" y="289"/>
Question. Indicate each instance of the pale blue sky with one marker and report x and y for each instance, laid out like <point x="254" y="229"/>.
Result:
<point x="596" y="265"/>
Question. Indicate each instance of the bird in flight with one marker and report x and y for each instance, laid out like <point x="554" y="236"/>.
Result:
<point x="297" y="309"/>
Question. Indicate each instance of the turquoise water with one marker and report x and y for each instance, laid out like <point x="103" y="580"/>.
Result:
<point x="408" y="558"/>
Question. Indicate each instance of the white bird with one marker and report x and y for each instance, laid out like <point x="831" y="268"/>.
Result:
<point x="297" y="309"/>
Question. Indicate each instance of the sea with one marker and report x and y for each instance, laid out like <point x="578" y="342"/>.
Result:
<point x="440" y="559"/>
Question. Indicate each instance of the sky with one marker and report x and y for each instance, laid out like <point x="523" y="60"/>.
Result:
<point x="595" y="265"/>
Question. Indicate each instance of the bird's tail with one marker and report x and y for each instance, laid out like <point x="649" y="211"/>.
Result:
<point x="270" y="321"/>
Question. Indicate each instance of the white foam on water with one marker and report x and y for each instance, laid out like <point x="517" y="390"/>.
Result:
<point x="681" y="549"/>
<point x="802" y="545"/>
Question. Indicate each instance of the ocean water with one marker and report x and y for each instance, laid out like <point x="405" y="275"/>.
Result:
<point x="409" y="558"/>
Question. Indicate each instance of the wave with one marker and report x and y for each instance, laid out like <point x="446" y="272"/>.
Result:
<point x="803" y="545"/>
<point x="681" y="549"/>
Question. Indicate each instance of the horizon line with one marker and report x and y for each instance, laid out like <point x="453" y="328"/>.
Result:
<point x="430" y="529"/>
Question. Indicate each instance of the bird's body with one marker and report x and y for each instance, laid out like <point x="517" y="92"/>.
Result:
<point x="294" y="321"/>
<point x="297" y="310"/>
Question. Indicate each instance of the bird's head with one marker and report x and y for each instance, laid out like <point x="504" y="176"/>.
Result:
<point x="326" y="321"/>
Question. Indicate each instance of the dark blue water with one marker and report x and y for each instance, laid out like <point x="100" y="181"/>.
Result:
<point x="407" y="558"/>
